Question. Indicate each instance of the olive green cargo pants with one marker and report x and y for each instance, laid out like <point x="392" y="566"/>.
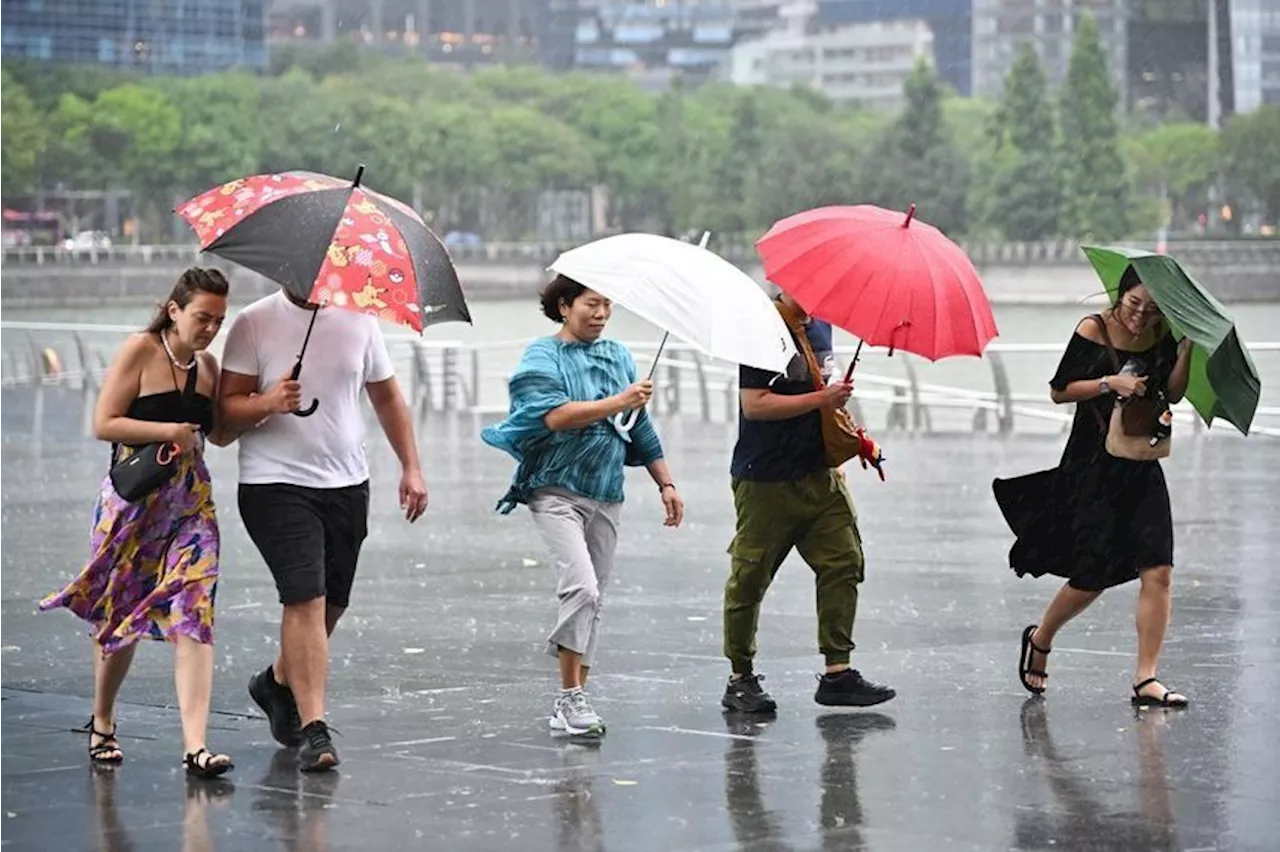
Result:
<point x="815" y="515"/>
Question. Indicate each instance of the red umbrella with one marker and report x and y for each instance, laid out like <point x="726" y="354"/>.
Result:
<point x="882" y="276"/>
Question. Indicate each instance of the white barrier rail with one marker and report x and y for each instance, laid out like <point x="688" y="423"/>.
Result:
<point x="452" y="376"/>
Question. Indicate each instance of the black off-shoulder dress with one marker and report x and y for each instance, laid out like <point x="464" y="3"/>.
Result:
<point x="1095" y="519"/>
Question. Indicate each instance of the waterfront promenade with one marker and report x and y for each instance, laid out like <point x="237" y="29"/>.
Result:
<point x="439" y="686"/>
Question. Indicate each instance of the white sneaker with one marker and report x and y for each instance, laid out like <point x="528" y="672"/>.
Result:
<point x="574" y="715"/>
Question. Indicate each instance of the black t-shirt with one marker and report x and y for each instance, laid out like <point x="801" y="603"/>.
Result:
<point x="784" y="450"/>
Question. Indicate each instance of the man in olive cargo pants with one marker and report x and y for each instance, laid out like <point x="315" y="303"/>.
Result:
<point x="787" y="497"/>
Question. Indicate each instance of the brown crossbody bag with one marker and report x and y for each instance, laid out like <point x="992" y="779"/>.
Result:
<point x="1129" y="431"/>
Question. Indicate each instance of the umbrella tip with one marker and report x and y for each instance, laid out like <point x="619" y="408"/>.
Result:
<point x="911" y="213"/>
<point x="359" y="174"/>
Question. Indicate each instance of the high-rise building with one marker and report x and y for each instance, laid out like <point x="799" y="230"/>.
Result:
<point x="951" y="22"/>
<point x="863" y="64"/>
<point x="1000" y="27"/>
<point x="1255" y="52"/>
<point x="192" y="37"/>
<point x="1171" y="47"/>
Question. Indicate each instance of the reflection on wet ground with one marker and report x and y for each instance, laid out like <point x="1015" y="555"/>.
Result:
<point x="440" y="691"/>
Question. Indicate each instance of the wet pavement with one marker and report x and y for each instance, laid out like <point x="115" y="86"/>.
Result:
<point x="440" y="690"/>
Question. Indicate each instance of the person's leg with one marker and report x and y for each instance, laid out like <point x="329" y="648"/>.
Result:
<point x="1066" y="604"/>
<point x="285" y="524"/>
<point x="109" y="671"/>
<point x="193" y="681"/>
<point x="561" y="520"/>
<point x="763" y="539"/>
<point x="832" y="547"/>
<point x="1155" y="604"/>
<point x="601" y="535"/>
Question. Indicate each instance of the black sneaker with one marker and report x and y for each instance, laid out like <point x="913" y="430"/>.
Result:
<point x="317" y="753"/>
<point x="277" y="702"/>
<point x="850" y="689"/>
<point x="745" y="695"/>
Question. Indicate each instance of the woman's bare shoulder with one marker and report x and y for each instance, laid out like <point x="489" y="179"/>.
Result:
<point x="137" y="347"/>
<point x="1090" y="329"/>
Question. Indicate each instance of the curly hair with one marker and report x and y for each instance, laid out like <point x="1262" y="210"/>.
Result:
<point x="561" y="290"/>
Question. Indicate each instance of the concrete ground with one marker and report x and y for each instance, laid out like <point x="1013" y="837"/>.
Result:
<point x="441" y="692"/>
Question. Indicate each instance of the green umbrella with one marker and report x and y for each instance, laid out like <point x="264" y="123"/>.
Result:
<point x="1224" y="383"/>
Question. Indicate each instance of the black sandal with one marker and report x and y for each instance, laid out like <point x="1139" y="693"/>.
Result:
<point x="1024" y="661"/>
<point x="206" y="768"/>
<point x="1140" y="700"/>
<point x="107" y="752"/>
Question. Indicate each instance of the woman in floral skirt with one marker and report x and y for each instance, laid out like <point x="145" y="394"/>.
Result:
<point x="153" y="569"/>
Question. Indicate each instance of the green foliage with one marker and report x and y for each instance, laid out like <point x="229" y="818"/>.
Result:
<point x="22" y="144"/>
<point x="915" y="161"/>
<point x="472" y="149"/>
<point x="1020" y="187"/>
<point x="1252" y="147"/>
<point x="1096" y="203"/>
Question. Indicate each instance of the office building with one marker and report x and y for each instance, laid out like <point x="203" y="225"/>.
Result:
<point x="1255" y="52"/>
<point x="863" y="64"/>
<point x="951" y="22"/>
<point x="193" y="37"/>
<point x="1000" y="27"/>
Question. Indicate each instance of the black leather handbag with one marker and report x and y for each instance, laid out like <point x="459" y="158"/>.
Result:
<point x="152" y="465"/>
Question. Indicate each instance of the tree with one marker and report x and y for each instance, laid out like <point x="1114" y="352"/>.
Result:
<point x="1097" y="186"/>
<point x="1177" y="163"/>
<point x="1021" y="189"/>
<point x="915" y="161"/>
<point x="1251" y="143"/>
<point x="222" y="129"/>
<point x="22" y="145"/>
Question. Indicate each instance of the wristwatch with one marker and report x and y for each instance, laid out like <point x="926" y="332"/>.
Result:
<point x="1104" y="386"/>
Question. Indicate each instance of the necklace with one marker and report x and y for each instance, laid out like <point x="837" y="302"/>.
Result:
<point x="164" y="339"/>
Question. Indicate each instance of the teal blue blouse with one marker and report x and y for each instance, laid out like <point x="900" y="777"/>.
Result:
<point x="588" y="461"/>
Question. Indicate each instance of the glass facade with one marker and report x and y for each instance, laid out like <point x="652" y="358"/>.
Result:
<point x="155" y="36"/>
<point x="1255" y="52"/>
<point x="950" y="20"/>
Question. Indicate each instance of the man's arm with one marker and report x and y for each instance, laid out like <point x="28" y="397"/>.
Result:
<point x="764" y="404"/>
<point x="241" y="407"/>
<point x="397" y="425"/>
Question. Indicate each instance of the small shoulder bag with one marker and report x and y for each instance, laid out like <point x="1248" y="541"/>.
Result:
<point x="152" y="465"/>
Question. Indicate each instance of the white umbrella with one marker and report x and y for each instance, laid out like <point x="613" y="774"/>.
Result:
<point x="687" y="291"/>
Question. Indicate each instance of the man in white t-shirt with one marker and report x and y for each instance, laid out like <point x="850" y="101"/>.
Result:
<point x="304" y="485"/>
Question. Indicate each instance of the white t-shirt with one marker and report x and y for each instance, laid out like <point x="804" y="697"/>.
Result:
<point x="346" y="352"/>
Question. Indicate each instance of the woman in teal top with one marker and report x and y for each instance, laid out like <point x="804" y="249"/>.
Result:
<point x="565" y="396"/>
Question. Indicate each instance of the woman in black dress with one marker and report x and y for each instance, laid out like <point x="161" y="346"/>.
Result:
<point x="1096" y="519"/>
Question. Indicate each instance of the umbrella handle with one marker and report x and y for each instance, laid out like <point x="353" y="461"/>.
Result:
<point x="625" y="420"/>
<point x="315" y="403"/>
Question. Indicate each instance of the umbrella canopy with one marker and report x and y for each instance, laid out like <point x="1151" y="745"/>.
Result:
<point x="331" y="241"/>
<point x="687" y="291"/>
<point x="1224" y="382"/>
<point x="883" y="276"/>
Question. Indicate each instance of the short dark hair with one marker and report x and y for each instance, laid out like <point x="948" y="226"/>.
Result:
<point x="561" y="289"/>
<point x="194" y="280"/>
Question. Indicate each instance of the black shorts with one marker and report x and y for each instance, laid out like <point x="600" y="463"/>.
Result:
<point x="309" y="537"/>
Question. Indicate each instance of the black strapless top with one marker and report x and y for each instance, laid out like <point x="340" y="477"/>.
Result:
<point x="170" y="407"/>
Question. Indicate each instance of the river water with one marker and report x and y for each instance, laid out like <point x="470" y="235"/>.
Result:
<point x="501" y="329"/>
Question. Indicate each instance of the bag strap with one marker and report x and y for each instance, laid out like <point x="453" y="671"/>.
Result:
<point x="1106" y="338"/>
<point x="790" y="317"/>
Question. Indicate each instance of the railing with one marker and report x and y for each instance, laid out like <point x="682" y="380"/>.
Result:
<point x="1259" y="252"/>
<point x="457" y="378"/>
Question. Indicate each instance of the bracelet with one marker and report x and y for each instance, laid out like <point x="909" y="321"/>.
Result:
<point x="664" y="486"/>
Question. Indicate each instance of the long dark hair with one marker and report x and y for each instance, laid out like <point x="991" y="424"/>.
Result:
<point x="194" y="280"/>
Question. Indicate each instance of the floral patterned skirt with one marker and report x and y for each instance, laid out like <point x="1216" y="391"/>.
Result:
<point x="153" y="572"/>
